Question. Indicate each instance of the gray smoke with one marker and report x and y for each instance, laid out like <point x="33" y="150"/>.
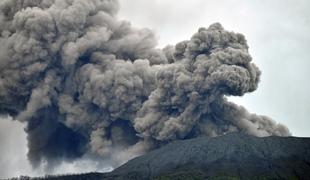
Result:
<point x="86" y="82"/>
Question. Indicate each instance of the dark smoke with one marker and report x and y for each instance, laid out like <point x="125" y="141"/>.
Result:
<point x="88" y="83"/>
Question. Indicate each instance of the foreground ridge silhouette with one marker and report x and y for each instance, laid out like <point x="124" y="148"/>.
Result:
<point x="231" y="156"/>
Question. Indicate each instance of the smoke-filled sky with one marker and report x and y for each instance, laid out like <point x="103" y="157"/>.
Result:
<point x="276" y="33"/>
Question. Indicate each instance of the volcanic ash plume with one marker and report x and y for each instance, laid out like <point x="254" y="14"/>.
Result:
<point x="88" y="83"/>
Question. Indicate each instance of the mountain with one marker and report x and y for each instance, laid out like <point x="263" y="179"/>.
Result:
<point x="234" y="155"/>
<point x="231" y="156"/>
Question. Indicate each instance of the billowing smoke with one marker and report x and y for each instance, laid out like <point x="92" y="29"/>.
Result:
<point x="88" y="83"/>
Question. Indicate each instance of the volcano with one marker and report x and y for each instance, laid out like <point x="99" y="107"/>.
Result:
<point x="231" y="156"/>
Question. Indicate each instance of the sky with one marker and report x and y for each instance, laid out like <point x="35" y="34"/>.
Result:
<point x="278" y="36"/>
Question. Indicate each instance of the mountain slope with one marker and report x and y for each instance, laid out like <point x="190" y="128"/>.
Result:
<point x="233" y="155"/>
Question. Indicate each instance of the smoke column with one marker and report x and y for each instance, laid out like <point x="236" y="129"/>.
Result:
<point x="87" y="83"/>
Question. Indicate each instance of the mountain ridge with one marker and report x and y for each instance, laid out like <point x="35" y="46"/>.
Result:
<point x="225" y="153"/>
<point x="231" y="156"/>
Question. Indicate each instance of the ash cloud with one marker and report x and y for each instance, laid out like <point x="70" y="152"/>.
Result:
<point x="86" y="82"/>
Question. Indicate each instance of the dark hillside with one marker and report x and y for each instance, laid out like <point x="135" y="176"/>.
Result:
<point x="232" y="156"/>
